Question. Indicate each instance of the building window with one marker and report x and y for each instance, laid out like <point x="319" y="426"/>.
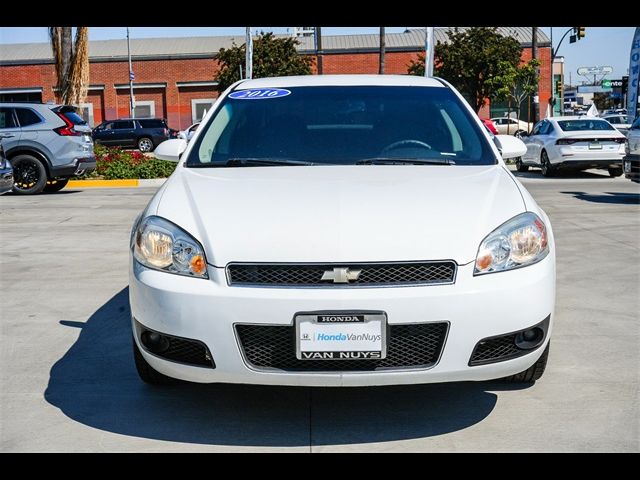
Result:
<point x="145" y="109"/>
<point x="86" y="112"/>
<point x="200" y="107"/>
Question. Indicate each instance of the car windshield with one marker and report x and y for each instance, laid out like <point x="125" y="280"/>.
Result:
<point x="579" y="125"/>
<point x="341" y="125"/>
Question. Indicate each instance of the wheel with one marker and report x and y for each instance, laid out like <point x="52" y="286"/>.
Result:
<point x="145" y="145"/>
<point x="533" y="373"/>
<point x="615" y="172"/>
<point x="546" y="167"/>
<point x="29" y="175"/>
<point x="146" y="372"/>
<point x="55" y="185"/>
<point x="520" y="166"/>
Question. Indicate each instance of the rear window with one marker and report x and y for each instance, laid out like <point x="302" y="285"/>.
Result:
<point x="152" y="123"/>
<point x="341" y="125"/>
<point x="27" y="117"/>
<point x="582" y="125"/>
<point x="75" y="118"/>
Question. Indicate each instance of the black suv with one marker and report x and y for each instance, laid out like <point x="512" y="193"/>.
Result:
<point x="144" y="133"/>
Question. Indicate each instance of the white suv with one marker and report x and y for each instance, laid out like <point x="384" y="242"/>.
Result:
<point x="46" y="144"/>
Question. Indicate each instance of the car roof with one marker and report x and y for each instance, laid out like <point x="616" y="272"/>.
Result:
<point x="574" y="117"/>
<point x="340" y="80"/>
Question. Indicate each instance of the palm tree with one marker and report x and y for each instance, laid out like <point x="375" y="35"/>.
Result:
<point x="71" y="63"/>
<point x="382" y="51"/>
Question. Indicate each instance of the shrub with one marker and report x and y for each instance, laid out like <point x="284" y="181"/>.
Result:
<point x="115" y="163"/>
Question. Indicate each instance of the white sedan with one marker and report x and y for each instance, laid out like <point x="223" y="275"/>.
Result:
<point x="573" y="143"/>
<point x="511" y="126"/>
<point x="187" y="134"/>
<point x="344" y="230"/>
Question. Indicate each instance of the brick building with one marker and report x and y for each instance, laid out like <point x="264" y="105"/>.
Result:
<point x="174" y="77"/>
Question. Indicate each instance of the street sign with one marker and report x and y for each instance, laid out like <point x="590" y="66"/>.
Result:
<point x="595" y="70"/>
<point x="592" y="89"/>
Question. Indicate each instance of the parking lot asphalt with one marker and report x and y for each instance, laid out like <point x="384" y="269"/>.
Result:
<point x="67" y="380"/>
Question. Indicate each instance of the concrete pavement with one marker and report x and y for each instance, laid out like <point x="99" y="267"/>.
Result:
<point x="67" y="380"/>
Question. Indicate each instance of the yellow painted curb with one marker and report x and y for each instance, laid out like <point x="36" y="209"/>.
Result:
<point x="103" y="183"/>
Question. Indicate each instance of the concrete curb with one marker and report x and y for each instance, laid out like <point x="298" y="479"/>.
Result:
<point x="127" y="183"/>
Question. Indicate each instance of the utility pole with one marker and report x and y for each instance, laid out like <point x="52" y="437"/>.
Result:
<point x="382" y="49"/>
<point x="534" y="55"/>
<point x="132" y="100"/>
<point x="429" y="48"/>
<point x="552" y="78"/>
<point x="248" y="68"/>
<point x="318" y="42"/>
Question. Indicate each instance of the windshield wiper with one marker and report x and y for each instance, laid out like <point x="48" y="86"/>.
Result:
<point x="249" y="161"/>
<point x="404" y="161"/>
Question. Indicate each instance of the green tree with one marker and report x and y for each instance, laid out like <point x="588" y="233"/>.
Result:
<point x="603" y="101"/>
<point x="272" y="57"/>
<point x="71" y="61"/>
<point x="515" y="83"/>
<point x="470" y="58"/>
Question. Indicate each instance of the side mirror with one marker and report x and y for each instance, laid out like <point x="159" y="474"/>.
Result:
<point x="510" y="146"/>
<point x="170" y="150"/>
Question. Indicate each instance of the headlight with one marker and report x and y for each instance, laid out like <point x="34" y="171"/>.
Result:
<point x="161" y="245"/>
<point x="519" y="242"/>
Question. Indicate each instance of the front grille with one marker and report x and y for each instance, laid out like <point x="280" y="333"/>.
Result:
<point x="310" y="275"/>
<point x="187" y="351"/>
<point x="408" y="346"/>
<point x="495" y="349"/>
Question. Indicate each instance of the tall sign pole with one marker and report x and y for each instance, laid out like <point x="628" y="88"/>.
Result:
<point x="132" y="101"/>
<point x="429" y="48"/>
<point x="249" y="55"/>
<point x="534" y="55"/>
<point x="317" y="39"/>
<point x="634" y="75"/>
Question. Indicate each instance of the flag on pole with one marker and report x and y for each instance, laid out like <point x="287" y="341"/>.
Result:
<point x="593" y="111"/>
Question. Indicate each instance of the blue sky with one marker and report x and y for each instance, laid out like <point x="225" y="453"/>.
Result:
<point x="601" y="45"/>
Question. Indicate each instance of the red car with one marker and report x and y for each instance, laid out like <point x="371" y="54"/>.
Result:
<point x="490" y="126"/>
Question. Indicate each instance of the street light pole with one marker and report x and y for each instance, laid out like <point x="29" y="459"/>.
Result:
<point x="132" y="106"/>
<point x="534" y="56"/>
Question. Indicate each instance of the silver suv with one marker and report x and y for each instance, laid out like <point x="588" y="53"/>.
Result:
<point x="46" y="144"/>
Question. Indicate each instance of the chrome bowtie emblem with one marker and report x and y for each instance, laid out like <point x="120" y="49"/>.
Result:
<point x="341" y="275"/>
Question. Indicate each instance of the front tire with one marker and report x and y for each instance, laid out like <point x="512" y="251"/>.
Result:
<point x="545" y="165"/>
<point x="533" y="373"/>
<point x="520" y="166"/>
<point x="146" y="372"/>
<point x="30" y="176"/>
<point x="615" y="172"/>
<point x="56" y="185"/>
<point x="145" y="145"/>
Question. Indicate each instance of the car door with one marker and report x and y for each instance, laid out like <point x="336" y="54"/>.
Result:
<point x="541" y="140"/>
<point x="530" y="141"/>
<point x="9" y="130"/>
<point x="124" y="133"/>
<point x="104" y="133"/>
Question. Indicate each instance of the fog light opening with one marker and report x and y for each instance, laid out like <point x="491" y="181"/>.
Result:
<point x="154" y="341"/>
<point x="530" y="338"/>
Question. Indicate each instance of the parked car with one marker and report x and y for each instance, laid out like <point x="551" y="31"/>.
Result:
<point x="622" y="123"/>
<point x="511" y="126"/>
<point x="46" y="144"/>
<point x="145" y="134"/>
<point x="187" y="133"/>
<point x="631" y="160"/>
<point x="6" y="172"/>
<point x="573" y="143"/>
<point x="344" y="230"/>
<point x="490" y="125"/>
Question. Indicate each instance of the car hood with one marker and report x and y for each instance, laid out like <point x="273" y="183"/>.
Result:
<point x="345" y="214"/>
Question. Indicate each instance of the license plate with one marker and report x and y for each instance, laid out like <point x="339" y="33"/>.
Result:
<point x="627" y="167"/>
<point x="341" y="336"/>
<point x="595" y="146"/>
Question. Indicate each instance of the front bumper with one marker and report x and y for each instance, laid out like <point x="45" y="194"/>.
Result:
<point x="631" y="167"/>
<point x="474" y="307"/>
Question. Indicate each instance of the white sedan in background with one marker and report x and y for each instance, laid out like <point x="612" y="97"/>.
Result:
<point x="573" y="143"/>
<point x="511" y="126"/>
<point x="188" y="133"/>
<point x="620" y="121"/>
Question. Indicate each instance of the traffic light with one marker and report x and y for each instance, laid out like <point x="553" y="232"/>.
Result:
<point x="559" y="88"/>
<point x="580" y="32"/>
